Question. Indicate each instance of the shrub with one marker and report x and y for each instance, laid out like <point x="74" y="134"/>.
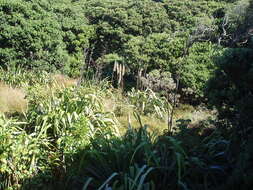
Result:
<point x="42" y="35"/>
<point x="148" y="102"/>
<point x="22" y="155"/>
<point x="30" y="35"/>
<point x="198" y="68"/>
<point x="230" y="89"/>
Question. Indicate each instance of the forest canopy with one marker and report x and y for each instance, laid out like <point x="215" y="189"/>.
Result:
<point x="143" y="35"/>
<point x="126" y="40"/>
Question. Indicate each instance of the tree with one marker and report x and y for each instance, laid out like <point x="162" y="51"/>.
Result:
<point x="198" y="67"/>
<point x="42" y="34"/>
<point x="231" y="88"/>
<point x="29" y="35"/>
<point x="163" y="83"/>
<point x="237" y="24"/>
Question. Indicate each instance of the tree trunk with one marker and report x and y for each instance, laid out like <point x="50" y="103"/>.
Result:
<point x="171" y="112"/>
<point x="139" y="75"/>
<point x="85" y="53"/>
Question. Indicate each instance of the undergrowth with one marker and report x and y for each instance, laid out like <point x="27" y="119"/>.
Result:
<point x="94" y="137"/>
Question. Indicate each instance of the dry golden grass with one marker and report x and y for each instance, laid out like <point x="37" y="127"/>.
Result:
<point x="196" y="114"/>
<point x="1" y="84"/>
<point x="62" y="81"/>
<point x="12" y="100"/>
<point x="154" y="124"/>
<point x="115" y="103"/>
<point x="125" y="113"/>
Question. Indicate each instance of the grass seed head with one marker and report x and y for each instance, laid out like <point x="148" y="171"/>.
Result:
<point x="12" y="99"/>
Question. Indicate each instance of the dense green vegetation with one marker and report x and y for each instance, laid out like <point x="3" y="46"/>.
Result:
<point x="126" y="95"/>
<point x="140" y="35"/>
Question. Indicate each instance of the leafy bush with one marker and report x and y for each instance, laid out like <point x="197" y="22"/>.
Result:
<point x="22" y="155"/>
<point x="148" y="102"/>
<point x="58" y="123"/>
<point x="144" y="161"/>
<point x="230" y="89"/>
<point x="199" y="67"/>
<point x="30" y="35"/>
<point x="37" y="35"/>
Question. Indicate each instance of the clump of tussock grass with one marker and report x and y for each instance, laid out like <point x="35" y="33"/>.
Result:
<point x="196" y="114"/>
<point x="12" y="99"/>
<point x="115" y="102"/>
<point x="154" y="125"/>
<point x="119" y="104"/>
<point x="62" y="81"/>
<point x="200" y="118"/>
<point x="2" y="84"/>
